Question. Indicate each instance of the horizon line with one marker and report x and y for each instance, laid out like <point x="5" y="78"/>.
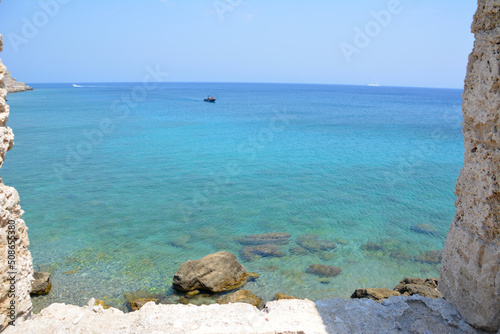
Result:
<point x="240" y="82"/>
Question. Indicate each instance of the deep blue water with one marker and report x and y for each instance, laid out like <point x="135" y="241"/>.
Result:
<point x="121" y="185"/>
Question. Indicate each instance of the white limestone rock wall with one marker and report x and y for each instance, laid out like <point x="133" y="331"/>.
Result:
<point x="470" y="272"/>
<point x="10" y="220"/>
<point x="6" y="135"/>
<point x="399" y="314"/>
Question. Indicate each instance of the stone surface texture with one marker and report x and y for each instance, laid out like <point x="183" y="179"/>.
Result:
<point x="215" y="273"/>
<point x="285" y="316"/>
<point x="417" y="286"/>
<point x="41" y="284"/>
<point x="413" y="314"/>
<point x="10" y="211"/>
<point x="6" y="135"/>
<point x="378" y="295"/>
<point x="470" y="275"/>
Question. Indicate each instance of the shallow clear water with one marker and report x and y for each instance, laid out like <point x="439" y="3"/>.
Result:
<point x="174" y="178"/>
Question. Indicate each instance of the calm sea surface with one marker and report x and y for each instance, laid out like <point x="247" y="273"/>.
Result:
<point x="121" y="185"/>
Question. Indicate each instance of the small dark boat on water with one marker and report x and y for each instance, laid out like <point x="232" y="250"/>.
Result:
<point x="209" y="99"/>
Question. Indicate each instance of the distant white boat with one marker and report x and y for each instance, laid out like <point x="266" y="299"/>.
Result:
<point x="373" y="84"/>
<point x="75" y="85"/>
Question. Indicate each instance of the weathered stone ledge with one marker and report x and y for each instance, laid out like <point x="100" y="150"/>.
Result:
<point x="413" y="314"/>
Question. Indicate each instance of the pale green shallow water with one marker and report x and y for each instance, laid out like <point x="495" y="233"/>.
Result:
<point x="350" y="164"/>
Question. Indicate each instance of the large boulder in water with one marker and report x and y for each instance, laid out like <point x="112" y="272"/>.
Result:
<point x="215" y="273"/>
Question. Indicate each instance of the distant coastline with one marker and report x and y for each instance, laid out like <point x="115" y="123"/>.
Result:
<point x="13" y="86"/>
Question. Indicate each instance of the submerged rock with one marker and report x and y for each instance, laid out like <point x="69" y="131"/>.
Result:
<point x="215" y="273"/>
<point x="400" y="254"/>
<point x="313" y="242"/>
<point x="342" y="242"/>
<point x="41" y="285"/>
<point x="323" y="270"/>
<point x="425" y="228"/>
<point x="372" y="247"/>
<point x="297" y="250"/>
<point x="327" y="256"/>
<point x="241" y="296"/>
<point x="433" y="257"/>
<point x="417" y="286"/>
<point x="250" y="253"/>
<point x="192" y="293"/>
<point x="181" y="241"/>
<point x="252" y="277"/>
<point x="270" y="268"/>
<point x="198" y="299"/>
<point x="378" y="295"/>
<point x="265" y="238"/>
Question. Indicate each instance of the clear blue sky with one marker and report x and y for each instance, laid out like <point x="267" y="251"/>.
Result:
<point x="423" y="43"/>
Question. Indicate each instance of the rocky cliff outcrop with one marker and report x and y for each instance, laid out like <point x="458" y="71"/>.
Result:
<point x="16" y="268"/>
<point x="470" y="272"/>
<point x="14" y="86"/>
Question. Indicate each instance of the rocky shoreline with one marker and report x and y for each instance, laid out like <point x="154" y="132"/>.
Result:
<point x="14" y="86"/>
<point x="216" y="302"/>
<point x="220" y="278"/>
<point x="469" y="277"/>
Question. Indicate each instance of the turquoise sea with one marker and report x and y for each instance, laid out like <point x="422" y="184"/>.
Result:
<point x="122" y="184"/>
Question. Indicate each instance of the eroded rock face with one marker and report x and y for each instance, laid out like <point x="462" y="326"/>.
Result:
<point x="417" y="286"/>
<point x="14" y="86"/>
<point x="10" y="220"/>
<point x="41" y="284"/>
<point x="470" y="272"/>
<point x="6" y="135"/>
<point x="378" y="295"/>
<point x="409" y="286"/>
<point x="215" y="273"/>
